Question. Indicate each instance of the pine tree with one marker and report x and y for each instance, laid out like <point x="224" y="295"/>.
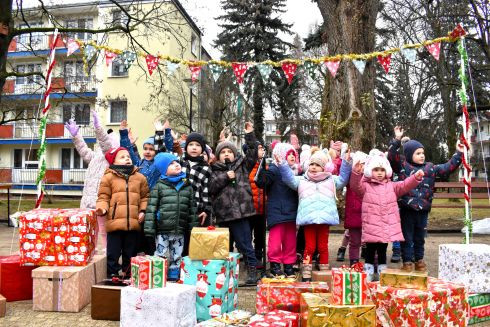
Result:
<point x="250" y="33"/>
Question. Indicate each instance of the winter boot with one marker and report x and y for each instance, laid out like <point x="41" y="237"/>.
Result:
<point x="396" y="256"/>
<point x="289" y="271"/>
<point x="420" y="266"/>
<point x="353" y="261"/>
<point x="381" y="268"/>
<point x="341" y="254"/>
<point x="307" y="269"/>
<point x="407" y="266"/>
<point x="324" y="266"/>
<point x="369" y="269"/>
<point x="251" y="276"/>
<point x="276" y="269"/>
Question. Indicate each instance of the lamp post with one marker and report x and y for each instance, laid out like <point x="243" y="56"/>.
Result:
<point x="189" y="82"/>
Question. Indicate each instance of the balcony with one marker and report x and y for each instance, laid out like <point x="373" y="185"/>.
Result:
<point x="34" y="42"/>
<point x="480" y="137"/>
<point x="53" y="130"/>
<point x="53" y="176"/>
<point x="72" y="84"/>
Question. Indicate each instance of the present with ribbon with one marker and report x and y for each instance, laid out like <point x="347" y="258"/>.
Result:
<point x="284" y="293"/>
<point x="275" y="318"/>
<point x="209" y="243"/>
<point x="349" y="285"/>
<point x="402" y="279"/>
<point x="100" y="267"/>
<point x="148" y="272"/>
<point x="234" y="318"/>
<point x="479" y="308"/>
<point x="64" y="289"/>
<point x="317" y="310"/>
<point x="173" y="305"/>
<point x="442" y="304"/>
<point x="216" y="284"/>
<point x="57" y="237"/>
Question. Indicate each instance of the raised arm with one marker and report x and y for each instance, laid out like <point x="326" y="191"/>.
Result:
<point x="100" y="134"/>
<point x="83" y="150"/>
<point x="394" y="156"/>
<point x="343" y="178"/>
<point x="408" y="184"/>
<point x="452" y="164"/>
<point x="251" y="156"/>
<point x="126" y="143"/>
<point x="288" y="177"/>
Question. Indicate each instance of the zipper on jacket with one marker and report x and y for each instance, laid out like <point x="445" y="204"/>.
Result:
<point x="127" y="201"/>
<point x="114" y="211"/>
<point x="178" y="208"/>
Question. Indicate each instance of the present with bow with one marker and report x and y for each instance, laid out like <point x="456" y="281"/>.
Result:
<point x="349" y="286"/>
<point x="209" y="243"/>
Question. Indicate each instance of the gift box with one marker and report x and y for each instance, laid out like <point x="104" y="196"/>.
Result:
<point x="479" y="308"/>
<point x="148" y="272"/>
<point x="15" y="280"/>
<point x="442" y="304"/>
<point x="467" y="264"/>
<point x="279" y="318"/>
<point x="3" y="306"/>
<point x="209" y="243"/>
<point x="234" y="318"/>
<point x="349" y="286"/>
<point x="317" y="310"/>
<point x="57" y="237"/>
<point x="284" y="294"/>
<point x="106" y="302"/>
<point x="173" y="305"/>
<point x="216" y="284"/>
<point x="402" y="279"/>
<point x="62" y="288"/>
<point x="322" y="276"/>
<point x="100" y="267"/>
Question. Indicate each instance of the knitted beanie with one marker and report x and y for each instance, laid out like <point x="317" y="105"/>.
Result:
<point x="226" y="144"/>
<point x="163" y="160"/>
<point x="409" y="149"/>
<point x="282" y="150"/>
<point x="150" y="141"/>
<point x="110" y="155"/>
<point x="377" y="161"/>
<point x="195" y="137"/>
<point x="323" y="160"/>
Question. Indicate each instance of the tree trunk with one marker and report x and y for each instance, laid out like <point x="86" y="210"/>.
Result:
<point x="6" y="19"/>
<point x="349" y="28"/>
<point x="258" y="104"/>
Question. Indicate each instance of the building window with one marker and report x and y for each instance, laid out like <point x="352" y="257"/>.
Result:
<point x="86" y="23"/>
<point x="75" y="72"/>
<point x="118" y="111"/>
<point x="119" y="18"/>
<point x="28" y="68"/>
<point x="25" y="159"/>
<point x="80" y="112"/>
<point x="195" y="45"/>
<point x="70" y="159"/>
<point x="118" y="67"/>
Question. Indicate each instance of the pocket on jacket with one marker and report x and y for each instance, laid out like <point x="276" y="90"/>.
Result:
<point x="114" y="211"/>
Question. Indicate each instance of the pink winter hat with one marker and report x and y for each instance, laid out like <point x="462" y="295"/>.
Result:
<point x="377" y="160"/>
<point x="282" y="150"/>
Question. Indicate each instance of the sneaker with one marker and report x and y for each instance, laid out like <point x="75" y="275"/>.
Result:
<point x="407" y="266"/>
<point x="420" y="266"/>
<point x="341" y="254"/>
<point x="289" y="271"/>
<point x="276" y="269"/>
<point x="307" y="268"/>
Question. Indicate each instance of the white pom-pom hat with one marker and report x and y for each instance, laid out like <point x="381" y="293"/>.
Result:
<point x="377" y="160"/>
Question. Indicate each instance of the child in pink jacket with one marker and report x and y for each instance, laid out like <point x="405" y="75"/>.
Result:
<point x="380" y="214"/>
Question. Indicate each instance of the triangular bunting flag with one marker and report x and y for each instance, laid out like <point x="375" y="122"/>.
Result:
<point x="239" y="68"/>
<point x="89" y="52"/>
<point x="172" y="67"/>
<point x="385" y="62"/>
<point x="360" y="65"/>
<point x="310" y="67"/>
<point x="458" y="32"/>
<point x="109" y="57"/>
<point x="151" y="63"/>
<point x="265" y="71"/>
<point x="71" y="46"/>
<point x="410" y="54"/>
<point x="195" y="70"/>
<point x="333" y="66"/>
<point x="127" y="58"/>
<point x="289" y="69"/>
<point x="434" y="49"/>
<point x="216" y="70"/>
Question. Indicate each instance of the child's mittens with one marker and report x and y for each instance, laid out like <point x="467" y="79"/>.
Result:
<point x="72" y="127"/>
<point x="419" y="175"/>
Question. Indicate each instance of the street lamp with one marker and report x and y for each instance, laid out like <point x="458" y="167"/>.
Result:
<point x="190" y="83"/>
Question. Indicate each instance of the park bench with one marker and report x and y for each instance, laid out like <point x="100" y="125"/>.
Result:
<point x="443" y="190"/>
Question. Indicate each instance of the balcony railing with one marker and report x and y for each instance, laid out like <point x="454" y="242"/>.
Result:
<point x="73" y="84"/>
<point x="53" y="130"/>
<point x="53" y="176"/>
<point x="34" y="42"/>
<point x="480" y="137"/>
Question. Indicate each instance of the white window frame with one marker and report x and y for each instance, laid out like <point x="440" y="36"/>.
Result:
<point x="82" y="164"/>
<point x="111" y="121"/>
<point x="73" y="109"/>
<point x="31" y="80"/>
<point x="25" y="162"/>
<point x="195" y="45"/>
<point x="117" y="61"/>
<point x="88" y="23"/>
<point x="122" y="20"/>
<point x="30" y="40"/>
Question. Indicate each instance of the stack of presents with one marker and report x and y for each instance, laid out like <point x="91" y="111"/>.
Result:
<point x="58" y="269"/>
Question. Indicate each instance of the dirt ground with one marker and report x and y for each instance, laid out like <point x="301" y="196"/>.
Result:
<point x="20" y="314"/>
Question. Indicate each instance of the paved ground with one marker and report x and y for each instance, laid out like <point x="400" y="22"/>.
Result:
<point x="21" y="314"/>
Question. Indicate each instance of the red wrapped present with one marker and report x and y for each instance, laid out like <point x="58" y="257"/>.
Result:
<point x="284" y="294"/>
<point x="275" y="318"/>
<point x="57" y="237"/>
<point x="349" y="286"/>
<point x="141" y="272"/>
<point x="442" y="304"/>
<point x="15" y="280"/>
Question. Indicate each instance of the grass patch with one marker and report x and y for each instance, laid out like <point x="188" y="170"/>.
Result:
<point x="27" y="204"/>
<point x="457" y="213"/>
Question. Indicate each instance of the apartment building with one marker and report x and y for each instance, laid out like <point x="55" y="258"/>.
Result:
<point x="309" y="129"/>
<point x="480" y="140"/>
<point x="115" y="92"/>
